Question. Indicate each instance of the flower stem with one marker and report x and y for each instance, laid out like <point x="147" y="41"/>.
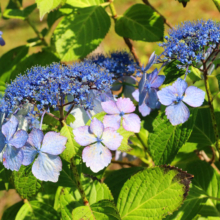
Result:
<point x="210" y="99"/>
<point x="78" y="183"/>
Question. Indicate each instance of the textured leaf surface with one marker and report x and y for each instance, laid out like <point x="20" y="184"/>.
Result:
<point x="172" y="72"/>
<point x="26" y="184"/>
<point x="153" y="193"/>
<point x="117" y="178"/>
<point x="102" y="210"/>
<point x="72" y="147"/>
<point x="84" y="3"/>
<point x="35" y="210"/>
<point x="81" y="32"/>
<point x="140" y="22"/>
<point x="165" y="140"/>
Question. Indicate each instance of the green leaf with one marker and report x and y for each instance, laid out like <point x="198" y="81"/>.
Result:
<point x="195" y="74"/>
<point x="47" y="6"/>
<point x="84" y="3"/>
<point x="10" y="213"/>
<point x="217" y="4"/>
<point x="218" y="78"/>
<point x="100" y="211"/>
<point x="5" y="175"/>
<point x="140" y="22"/>
<point x="26" y="184"/>
<point x="81" y="32"/>
<point x="153" y="193"/>
<point x="165" y="140"/>
<point x="19" y="14"/>
<point x="35" y="210"/>
<point x="117" y="178"/>
<point x="124" y="147"/>
<point x="10" y="60"/>
<point x="70" y="198"/>
<point x="72" y="147"/>
<point x="172" y="72"/>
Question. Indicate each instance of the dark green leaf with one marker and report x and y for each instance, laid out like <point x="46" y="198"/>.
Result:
<point x="140" y="22"/>
<point x="218" y="78"/>
<point x="153" y="193"/>
<point x="11" y="212"/>
<point x="172" y="72"/>
<point x="26" y="184"/>
<point x="81" y="32"/>
<point x="165" y="140"/>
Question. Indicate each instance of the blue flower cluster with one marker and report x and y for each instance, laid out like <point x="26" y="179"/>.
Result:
<point x="120" y="63"/>
<point x="190" y="42"/>
<point x="45" y="87"/>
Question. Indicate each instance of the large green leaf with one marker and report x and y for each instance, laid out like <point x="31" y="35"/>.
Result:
<point x="81" y="32"/>
<point x="153" y="193"/>
<point x="84" y="3"/>
<point x="35" y="210"/>
<point x="172" y="72"/>
<point x="165" y="140"/>
<point x="47" y="6"/>
<point x="72" y="147"/>
<point x="10" y="213"/>
<point x="117" y="178"/>
<point x="19" y="14"/>
<point x="204" y="195"/>
<point x="102" y="210"/>
<point x="140" y="22"/>
<point x="26" y="184"/>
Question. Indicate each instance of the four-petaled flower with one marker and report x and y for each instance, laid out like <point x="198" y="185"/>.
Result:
<point x="98" y="141"/>
<point x="174" y="96"/>
<point x="2" y="42"/>
<point x="11" y="142"/>
<point x="147" y="93"/>
<point x="48" y="164"/>
<point x="121" y="109"/>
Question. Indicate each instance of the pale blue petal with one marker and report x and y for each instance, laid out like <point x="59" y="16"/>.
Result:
<point x="112" y="121"/>
<point x="97" y="157"/>
<point x="19" y="139"/>
<point x="144" y="110"/>
<point x="47" y="167"/>
<point x="10" y="127"/>
<point x="2" y="141"/>
<point x="158" y="81"/>
<point x="53" y="143"/>
<point x="151" y="98"/>
<point x="142" y="96"/>
<point x="83" y="136"/>
<point x="35" y="138"/>
<point x="136" y="95"/>
<point x="167" y="95"/>
<point x="96" y="127"/>
<point x="142" y="82"/>
<point x="194" y="96"/>
<point x="12" y="158"/>
<point x="29" y="153"/>
<point x="131" y="122"/>
<point x="180" y="86"/>
<point x="178" y="113"/>
<point x="151" y="61"/>
<point x="111" y="139"/>
<point x="152" y="76"/>
<point x="110" y="107"/>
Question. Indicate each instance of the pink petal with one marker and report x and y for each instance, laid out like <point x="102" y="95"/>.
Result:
<point x="96" y="127"/>
<point x="131" y="122"/>
<point x="83" y="136"/>
<point x="110" y="107"/>
<point x="112" y="121"/>
<point x="111" y="139"/>
<point x="96" y="157"/>
<point x="125" y="105"/>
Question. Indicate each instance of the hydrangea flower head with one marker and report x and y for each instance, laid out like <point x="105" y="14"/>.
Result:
<point x="11" y="142"/>
<point x="2" y="42"/>
<point x="121" y="110"/>
<point x="147" y="93"/>
<point x="45" y="86"/>
<point x="186" y="43"/>
<point x="98" y="141"/>
<point x="48" y="164"/>
<point x="174" y="97"/>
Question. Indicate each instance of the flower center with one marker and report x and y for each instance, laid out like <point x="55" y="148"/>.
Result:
<point x="99" y="140"/>
<point x="178" y="99"/>
<point x="121" y="114"/>
<point x="147" y="86"/>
